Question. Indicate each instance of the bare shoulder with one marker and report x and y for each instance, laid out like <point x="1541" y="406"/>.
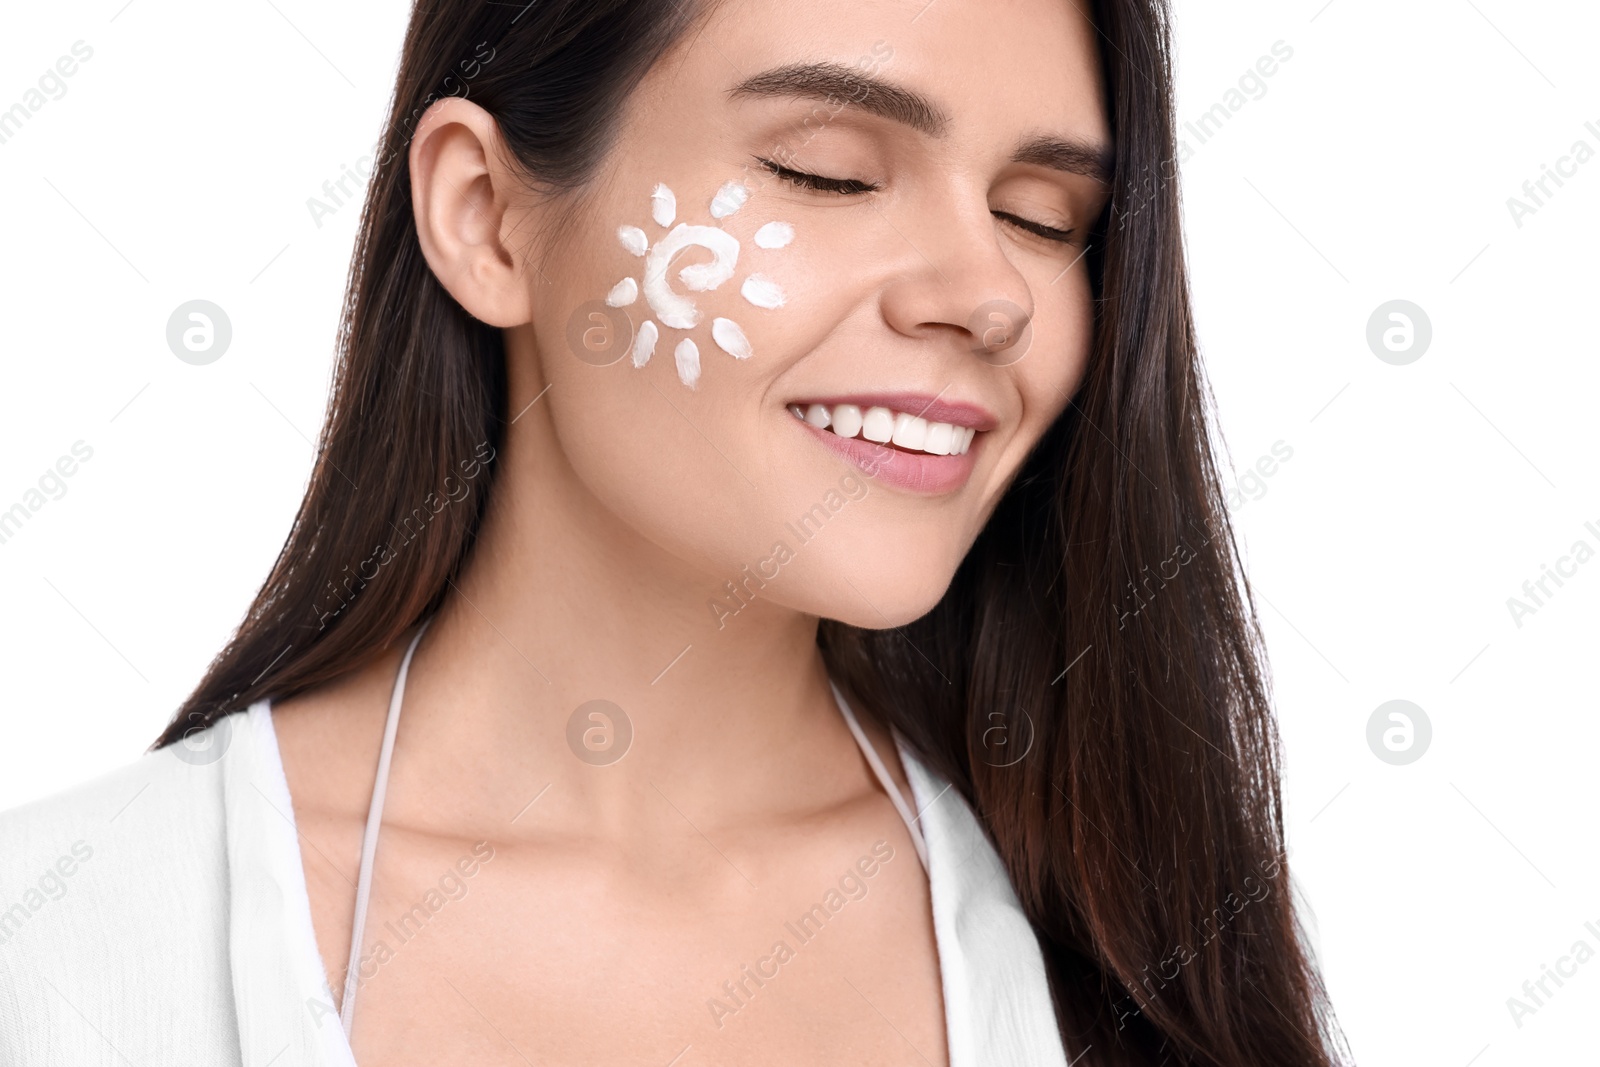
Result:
<point x="328" y="742"/>
<point x="329" y="738"/>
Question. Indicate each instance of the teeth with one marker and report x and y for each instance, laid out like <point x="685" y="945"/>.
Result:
<point x="881" y="425"/>
<point x="910" y="431"/>
<point x="877" y="424"/>
<point x="846" y="420"/>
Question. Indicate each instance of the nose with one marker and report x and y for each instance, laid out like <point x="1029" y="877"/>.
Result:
<point x="953" y="277"/>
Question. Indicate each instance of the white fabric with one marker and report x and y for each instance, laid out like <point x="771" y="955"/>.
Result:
<point x="185" y="936"/>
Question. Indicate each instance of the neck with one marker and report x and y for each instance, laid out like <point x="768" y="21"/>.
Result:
<point x="562" y="603"/>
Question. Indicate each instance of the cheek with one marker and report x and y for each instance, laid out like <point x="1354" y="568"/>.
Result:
<point x="700" y="270"/>
<point x="656" y="307"/>
<point x="1058" y="356"/>
<point x="788" y="291"/>
<point x="660" y="471"/>
<point x="674" y="448"/>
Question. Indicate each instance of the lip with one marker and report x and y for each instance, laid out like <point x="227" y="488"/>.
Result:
<point x="914" y="472"/>
<point x="926" y="405"/>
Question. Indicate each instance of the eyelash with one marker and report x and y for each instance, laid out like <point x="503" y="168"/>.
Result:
<point x="853" y="187"/>
<point x="842" y="186"/>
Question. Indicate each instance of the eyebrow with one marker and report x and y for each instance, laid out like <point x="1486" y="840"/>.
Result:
<point x="837" y="82"/>
<point x="1073" y="157"/>
<point x="847" y="87"/>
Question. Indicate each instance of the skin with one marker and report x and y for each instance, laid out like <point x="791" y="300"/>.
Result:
<point x="619" y="898"/>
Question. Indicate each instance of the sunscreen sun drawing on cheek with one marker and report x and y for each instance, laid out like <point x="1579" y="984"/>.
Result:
<point x="674" y="309"/>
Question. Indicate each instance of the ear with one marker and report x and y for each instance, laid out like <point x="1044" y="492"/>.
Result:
<point x="461" y="194"/>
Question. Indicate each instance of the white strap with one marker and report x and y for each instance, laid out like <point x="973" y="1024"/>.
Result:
<point x="882" y="772"/>
<point x="369" y="840"/>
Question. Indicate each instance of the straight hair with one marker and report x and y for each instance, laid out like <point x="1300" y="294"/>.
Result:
<point x="1093" y="681"/>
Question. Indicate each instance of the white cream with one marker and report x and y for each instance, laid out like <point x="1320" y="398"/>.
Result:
<point x="730" y="338"/>
<point x="702" y="276"/>
<point x="687" y="356"/>
<point x="671" y="308"/>
<point x="663" y="206"/>
<point x="633" y="239"/>
<point x="644" y="343"/>
<point x="623" y="293"/>
<point x="774" y="235"/>
<point x="729" y="198"/>
<point x="762" y="292"/>
<point x="675" y="309"/>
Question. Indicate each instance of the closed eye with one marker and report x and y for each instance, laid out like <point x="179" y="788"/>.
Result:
<point x="855" y="187"/>
<point x="842" y="186"/>
<point x="1049" y="232"/>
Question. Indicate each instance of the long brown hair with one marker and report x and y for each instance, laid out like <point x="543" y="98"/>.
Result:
<point x="1092" y="682"/>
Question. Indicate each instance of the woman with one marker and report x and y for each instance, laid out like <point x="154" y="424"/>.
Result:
<point x="768" y="466"/>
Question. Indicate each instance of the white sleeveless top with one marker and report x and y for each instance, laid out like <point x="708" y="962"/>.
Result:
<point x="159" y="914"/>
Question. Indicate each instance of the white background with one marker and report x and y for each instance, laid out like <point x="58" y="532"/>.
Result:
<point x="1419" y="498"/>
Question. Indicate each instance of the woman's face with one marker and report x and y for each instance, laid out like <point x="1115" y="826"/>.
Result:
<point x="933" y="269"/>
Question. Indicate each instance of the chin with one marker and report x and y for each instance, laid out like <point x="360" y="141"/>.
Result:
<point x="880" y="593"/>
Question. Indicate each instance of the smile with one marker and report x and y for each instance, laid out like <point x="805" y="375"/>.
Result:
<point x="887" y="426"/>
<point x="926" y="449"/>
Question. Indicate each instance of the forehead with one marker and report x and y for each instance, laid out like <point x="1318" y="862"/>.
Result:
<point x="987" y="68"/>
